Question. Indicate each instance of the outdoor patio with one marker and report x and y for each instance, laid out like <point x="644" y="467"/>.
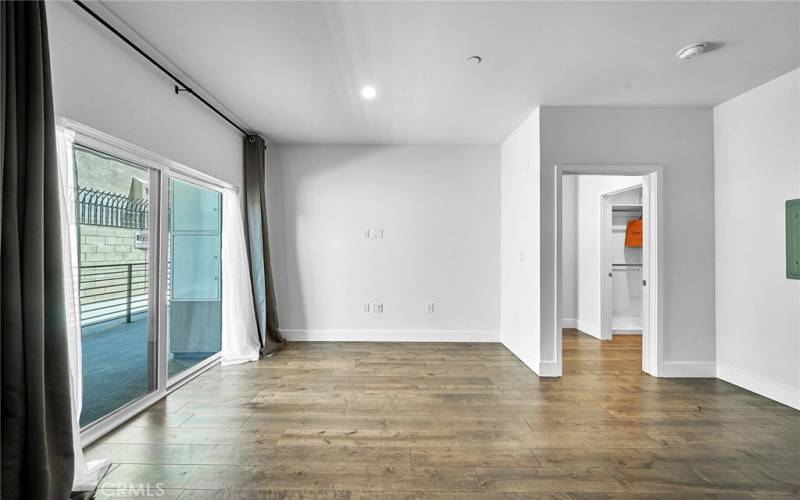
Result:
<point x="115" y="370"/>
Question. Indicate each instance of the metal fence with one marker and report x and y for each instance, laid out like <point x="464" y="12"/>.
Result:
<point x="103" y="208"/>
<point x="113" y="291"/>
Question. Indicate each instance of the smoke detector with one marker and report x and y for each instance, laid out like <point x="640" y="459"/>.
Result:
<point x="691" y="50"/>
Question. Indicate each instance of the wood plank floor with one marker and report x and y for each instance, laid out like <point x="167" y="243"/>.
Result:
<point x="465" y="421"/>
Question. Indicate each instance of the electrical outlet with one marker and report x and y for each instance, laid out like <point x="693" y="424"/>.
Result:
<point x="522" y="256"/>
<point x="431" y="307"/>
<point x="366" y="308"/>
<point x="377" y="233"/>
<point x="377" y="308"/>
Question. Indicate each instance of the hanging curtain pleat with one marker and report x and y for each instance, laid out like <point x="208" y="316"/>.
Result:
<point x="37" y="435"/>
<point x="258" y="245"/>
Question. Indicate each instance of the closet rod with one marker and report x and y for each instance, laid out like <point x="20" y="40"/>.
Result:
<point x="180" y="87"/>
<point x="627" y="265"/>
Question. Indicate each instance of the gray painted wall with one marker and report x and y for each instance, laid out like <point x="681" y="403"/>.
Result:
<point x="680" y="140"/>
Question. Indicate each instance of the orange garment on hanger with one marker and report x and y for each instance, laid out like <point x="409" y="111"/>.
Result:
<point x="633" y="233"/>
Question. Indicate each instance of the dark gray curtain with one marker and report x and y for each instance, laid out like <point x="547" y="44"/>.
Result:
<point x="37" y="460"/>
<point x="255" y="198"/>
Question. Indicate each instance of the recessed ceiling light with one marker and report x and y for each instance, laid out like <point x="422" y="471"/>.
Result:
<point x="691" y="50"/>
<point x="368" y="92"/>
<point x="475" y="60"/>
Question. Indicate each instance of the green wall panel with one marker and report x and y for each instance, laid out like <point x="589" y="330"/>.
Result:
<point x="793" y="239"/>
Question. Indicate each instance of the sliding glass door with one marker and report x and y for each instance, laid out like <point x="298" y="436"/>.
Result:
<point x="115" y="282"/>
<point x="148" y="237"/>
<point x="194" y="303"/>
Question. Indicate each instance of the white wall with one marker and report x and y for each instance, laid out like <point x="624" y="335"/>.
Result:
<point x="569" y="250"/>
<point x="680" y="140"/>
<point x="590" y="189"/>
<point x="438" y="207"/>
<point x="757" y="152"/>
<point x="519" y="242"/>
<point x="101" y="83"/>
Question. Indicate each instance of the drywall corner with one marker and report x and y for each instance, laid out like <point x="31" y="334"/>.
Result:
<point x="519" y="242"/>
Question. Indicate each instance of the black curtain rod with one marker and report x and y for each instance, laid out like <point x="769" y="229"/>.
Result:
<point x="180" y="87"/>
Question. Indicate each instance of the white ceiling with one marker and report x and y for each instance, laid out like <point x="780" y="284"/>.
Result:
<point x="293" y="70"/>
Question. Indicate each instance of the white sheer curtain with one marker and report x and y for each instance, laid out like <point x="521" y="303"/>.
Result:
<point x="87" y="474"/>
<point x="239" y="329"/>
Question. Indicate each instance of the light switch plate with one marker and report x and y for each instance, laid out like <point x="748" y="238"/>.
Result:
<point x="793" y="239"/>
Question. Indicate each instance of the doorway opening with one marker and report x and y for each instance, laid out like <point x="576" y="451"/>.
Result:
<point x="607" y="277"/>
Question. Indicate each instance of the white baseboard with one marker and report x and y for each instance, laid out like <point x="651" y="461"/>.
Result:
<point x="540" y="368"/>
<point x="569" y="323"/>
<point x="588" y="328"/>
<point x="524" y="356"/>
<point x="330" y="335"/>
<point x="548" y="369"/>
<point x="627" y="325"/>
<point x="688" y="369"/>
<point x="776" y="391"/>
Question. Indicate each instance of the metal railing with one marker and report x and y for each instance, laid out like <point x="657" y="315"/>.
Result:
<point x="113" y="291"/>
<point x="103" y="208"/>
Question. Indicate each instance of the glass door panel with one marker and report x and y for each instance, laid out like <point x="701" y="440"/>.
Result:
<point x="118" y="338"/>
<point x="194" y="307"/>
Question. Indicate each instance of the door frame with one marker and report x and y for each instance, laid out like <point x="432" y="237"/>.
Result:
<point x="162" y="169"/>
<point x="652" y="269"/>
<point x="606" y="283"/>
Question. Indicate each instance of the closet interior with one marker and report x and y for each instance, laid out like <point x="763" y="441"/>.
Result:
<point x="625" y="252"/>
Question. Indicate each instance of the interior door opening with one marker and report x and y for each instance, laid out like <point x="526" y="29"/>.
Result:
<point x="607" y="279"/>
<point x="621" y="264"/>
